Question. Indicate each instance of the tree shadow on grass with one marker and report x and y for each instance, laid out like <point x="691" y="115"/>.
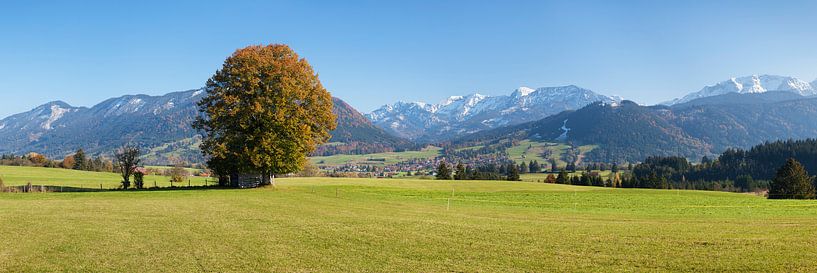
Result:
<point x="58" y="189"/>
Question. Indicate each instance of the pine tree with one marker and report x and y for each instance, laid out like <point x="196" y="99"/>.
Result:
<point x="443" y="172"/>
<point x="792" y="182"/>
<point x="80" y="160"/>
<point x="534" y="167"/>
<point x="513" y="174"/>
<point x="562" y="178"/>
<point x="523" y="168"/>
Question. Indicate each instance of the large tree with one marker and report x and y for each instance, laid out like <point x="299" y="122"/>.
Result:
<point x="264" y="112"/>
<point x="792" y="182"/>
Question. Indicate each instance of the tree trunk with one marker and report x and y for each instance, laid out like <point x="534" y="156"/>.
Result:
<point x="234" y="179"/>
<point x="272" y="181"/>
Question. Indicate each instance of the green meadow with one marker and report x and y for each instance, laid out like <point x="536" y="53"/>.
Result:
<point x="527" y="151"/>
<point x="17" y="176"/>
<point x="377" y="158"/>
<point x="398" y="225"/>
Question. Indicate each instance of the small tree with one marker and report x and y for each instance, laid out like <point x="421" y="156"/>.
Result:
<point x="310" y="170"/>
<point x="80" y="160"/>
<point x="513" y="173"/>
<point x="139" y="180"/>
<point x="550" y="179"/>
<point x="534" y="167"/>
<point x="128" y="158"/>
<point x="523" y="168"/>
<point x="178" y="174"/>
<point x="68" y="162"/>
<point x="792" y="182"/>
<point x="443" y="172"/>
<point x="460" y="174"/>
<point x="562" y="178"/>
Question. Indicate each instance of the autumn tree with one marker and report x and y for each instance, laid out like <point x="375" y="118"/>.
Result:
<point x="68" y="162"/>
<point x="792" y="182"/>
<point x="550" y="179"/>
<point x="37" y="159"/>
<point x="264" y="111"/>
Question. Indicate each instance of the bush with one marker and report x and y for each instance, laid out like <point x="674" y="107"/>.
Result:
<point x="178" y="174"/>
<point x="139" y="180"/>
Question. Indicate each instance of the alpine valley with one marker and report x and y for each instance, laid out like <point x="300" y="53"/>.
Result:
<point x="739" y="112"/>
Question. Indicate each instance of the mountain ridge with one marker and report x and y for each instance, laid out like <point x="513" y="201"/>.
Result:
<point x="752" y="84"/>
<point x="460" y="115"/>
<point x="57" y="129"/>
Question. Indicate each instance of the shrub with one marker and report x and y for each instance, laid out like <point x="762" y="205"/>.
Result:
<point x="139" y="180"/>
<point x="178" y="174"/>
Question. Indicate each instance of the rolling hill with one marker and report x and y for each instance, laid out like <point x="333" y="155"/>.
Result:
<point x="628" y="132"/>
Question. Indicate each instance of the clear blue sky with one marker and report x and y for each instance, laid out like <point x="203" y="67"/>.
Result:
<point x="372" y="53"/>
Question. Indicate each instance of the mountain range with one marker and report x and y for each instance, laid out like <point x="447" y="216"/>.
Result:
<point x="161" y="125"/>
<point x="462" y="115"/>
<point x="628" y="132"/>
<point x="739" y="112"/>
<point x="752" y="85"/>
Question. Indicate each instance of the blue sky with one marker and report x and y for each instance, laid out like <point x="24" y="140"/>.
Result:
<point x="371" y="53"/>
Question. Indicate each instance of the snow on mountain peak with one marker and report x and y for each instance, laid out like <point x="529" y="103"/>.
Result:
<point x="523" y="91"/>
<point x="751" y="85"/>
<point x="451" y="100"/>
<point x="475" y="112"/>
<point x="56" y="113"/>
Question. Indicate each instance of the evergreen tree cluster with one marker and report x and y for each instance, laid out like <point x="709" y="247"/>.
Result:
<point x="756" y="169"/>
<point x="508" y="171"/>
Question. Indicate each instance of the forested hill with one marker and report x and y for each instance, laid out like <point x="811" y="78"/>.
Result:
<point x="628" y="132"/>
<point x="735" y="169"/>
<point x="355" y="134"/>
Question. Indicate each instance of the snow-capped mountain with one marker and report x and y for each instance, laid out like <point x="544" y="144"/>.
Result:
<point x="752" y="84"/>
<point x="459" y="115"/>
<point x="161" y="125"/>
<point x="56" y="128"/>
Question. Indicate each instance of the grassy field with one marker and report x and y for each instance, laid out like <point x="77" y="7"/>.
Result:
<point x="15" y="176"/>
<point x="375" y="159"/>
<point x="538" y="177"/>
<point x="528" y="150"/>
<point x="402" y="225"/>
